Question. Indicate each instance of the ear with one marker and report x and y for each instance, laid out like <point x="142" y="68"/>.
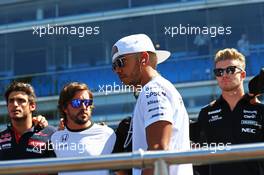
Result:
<point x="65" y="111"/>
<point x="243" y="74"/>
<point x="32" y="106"/>
<point x="144" y="58"/>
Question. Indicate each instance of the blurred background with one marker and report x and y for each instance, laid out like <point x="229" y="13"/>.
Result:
<point x="34" y="49"/>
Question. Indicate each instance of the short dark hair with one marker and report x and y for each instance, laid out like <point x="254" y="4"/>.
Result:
<point x="21" y="86"/>
<point x="68" y="92"/>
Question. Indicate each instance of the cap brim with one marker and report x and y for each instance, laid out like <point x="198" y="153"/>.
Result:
<point x="162" y="55"/>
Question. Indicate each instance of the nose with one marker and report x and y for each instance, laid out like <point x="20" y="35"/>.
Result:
<point x="15" y="103"/>
<point x="225" y="74"/>
<point x="83" y="106"/>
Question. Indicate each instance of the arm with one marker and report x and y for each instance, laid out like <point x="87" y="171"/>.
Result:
<point x="158" y="135"/>
<point x="158" y="138"/>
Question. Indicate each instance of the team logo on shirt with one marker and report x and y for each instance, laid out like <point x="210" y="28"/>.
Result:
<point x="64" y="137"/>
<point x="154" y="94"/>
<point x="36" y="143"/>
<point x="214" y="112"/>
<point x="156" y="108"/>
<point x="6" y="146"/>
<point x="250" y="114"/>
<point x="250" y="122"/>
<point x="156" y="115"/>
<point x="41" y="134"/>
<point x="215" y="118"/>
<point x="249" y="130"/>
<point x="153" y="102"/>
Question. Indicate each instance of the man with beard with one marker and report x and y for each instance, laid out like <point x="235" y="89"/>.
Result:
<point x="81" y="136"/>
<point x="160" y="120"/>
<point x="232" y="118"/>
<point x="23" y="139"/>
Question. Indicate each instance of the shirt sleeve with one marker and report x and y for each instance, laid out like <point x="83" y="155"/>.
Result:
<point x="110" y="143"/>
<point x="156" y="106"/>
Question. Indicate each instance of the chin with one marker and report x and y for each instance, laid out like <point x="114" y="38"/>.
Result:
<point x="125" y="82"/>
<point x="84" y="120"/>
<point x="17" y="118"/>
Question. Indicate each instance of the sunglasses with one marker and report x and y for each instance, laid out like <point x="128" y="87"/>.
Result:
<point x="119" y="62"/>
<point x="76" y="103"/>
<point x="219" y="72"/>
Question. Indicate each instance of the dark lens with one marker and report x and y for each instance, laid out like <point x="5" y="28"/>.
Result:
<point x="76" y="103"/>
<point x="118" y="63"/>
<point x="114" y="65"/>
<point x="88" y="102"/>
<point x="219" y="72"/>
<point x="231" y="69"/>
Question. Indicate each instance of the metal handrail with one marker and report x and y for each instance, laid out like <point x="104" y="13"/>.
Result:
<point x="134" y="159"/>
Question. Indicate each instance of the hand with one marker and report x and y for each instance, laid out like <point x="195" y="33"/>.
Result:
<point x="61" y="124"/>
<point x="40" y="120"/>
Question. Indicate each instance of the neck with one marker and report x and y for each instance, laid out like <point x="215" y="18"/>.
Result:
<point x="232" y="97"/>
<point x="74" y="126"/>
<point x="148" y="74"/>
<point x="21" y="126"/>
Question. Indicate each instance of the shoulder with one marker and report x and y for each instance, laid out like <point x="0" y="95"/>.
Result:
<point x="58" y="134"/>
<point x="158" y="87"/>
<point x="6" y="131"/>
<point x="103" y="128"/>
<point x="49" y="129"/>
<point x="207" y="109"/>
<point x="210" y="106"/>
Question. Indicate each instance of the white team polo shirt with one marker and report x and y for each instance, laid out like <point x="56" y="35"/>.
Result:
<point x="93" y="141"/>
<point x="159" y="100"/>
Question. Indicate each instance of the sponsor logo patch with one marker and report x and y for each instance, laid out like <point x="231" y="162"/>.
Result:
<point x="156" y="115"/>
<point x="248" y="130"/>
<point x="215" y="118"/>
<point x="214" y="112"/>
<point x="152" y="102"/>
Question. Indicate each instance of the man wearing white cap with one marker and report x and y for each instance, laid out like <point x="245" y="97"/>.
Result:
<point x="160" y="120"/>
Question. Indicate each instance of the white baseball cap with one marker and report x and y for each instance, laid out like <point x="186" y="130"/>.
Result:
<point x="137" y="43"/>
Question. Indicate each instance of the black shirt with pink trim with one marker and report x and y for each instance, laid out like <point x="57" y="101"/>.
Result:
<point x="32" y="144"/>
<point x="218" y="125"/>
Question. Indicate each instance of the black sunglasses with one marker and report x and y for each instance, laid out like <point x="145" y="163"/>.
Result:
<point x="119" y="62"/>
<point x="76" y="103"/>
<point x="219" y="72"/>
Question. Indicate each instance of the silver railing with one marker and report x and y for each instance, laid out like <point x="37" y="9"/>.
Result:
<point x="141" y="159"/>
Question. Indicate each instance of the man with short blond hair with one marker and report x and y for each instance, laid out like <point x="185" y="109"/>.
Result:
<point x="232" y="118"/>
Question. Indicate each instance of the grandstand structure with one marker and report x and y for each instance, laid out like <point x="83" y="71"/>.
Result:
<point x="49" y="43"/>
